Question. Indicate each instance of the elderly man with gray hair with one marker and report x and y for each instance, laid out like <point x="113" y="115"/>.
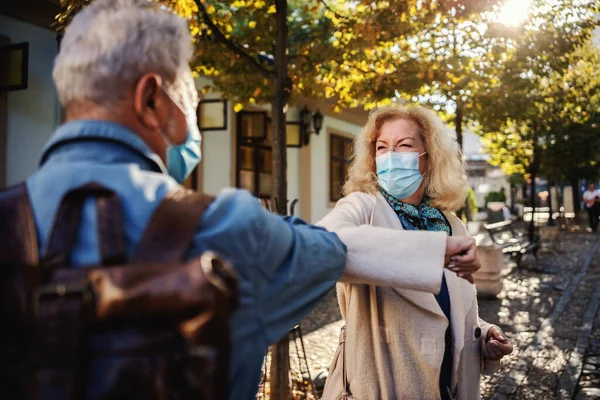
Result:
<point x="124" y="81"/>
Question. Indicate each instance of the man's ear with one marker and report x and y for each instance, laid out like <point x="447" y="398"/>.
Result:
<point x="149" y="101"/>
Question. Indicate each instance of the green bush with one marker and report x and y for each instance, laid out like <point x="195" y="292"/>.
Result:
<point x="495" y="197"/>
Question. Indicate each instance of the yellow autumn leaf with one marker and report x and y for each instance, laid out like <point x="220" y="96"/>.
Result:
<point x="238" y="107"/>
<point x="211" y="9"/>
<point x="228" y="28"/>
<point x="271" y="10"/>
<point x="252" y="24"/>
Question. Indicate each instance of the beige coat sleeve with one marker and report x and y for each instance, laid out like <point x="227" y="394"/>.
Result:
<point x="384" y="256"/>
<point x="488" y="367"/>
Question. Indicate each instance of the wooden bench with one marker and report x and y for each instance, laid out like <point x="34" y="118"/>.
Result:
<point x="513" y="243"/>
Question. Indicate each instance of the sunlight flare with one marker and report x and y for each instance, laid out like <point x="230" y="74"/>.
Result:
<point x="514" y="12"/>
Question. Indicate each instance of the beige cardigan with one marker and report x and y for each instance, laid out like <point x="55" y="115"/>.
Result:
<point x="395" y="335"/>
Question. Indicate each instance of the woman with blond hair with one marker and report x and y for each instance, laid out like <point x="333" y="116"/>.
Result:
<point x="407" y="174"/>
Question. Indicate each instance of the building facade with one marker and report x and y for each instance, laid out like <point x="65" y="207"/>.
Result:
<point x="236" y="146"/>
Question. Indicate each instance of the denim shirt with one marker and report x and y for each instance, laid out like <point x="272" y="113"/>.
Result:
<point x="284" y="265"/>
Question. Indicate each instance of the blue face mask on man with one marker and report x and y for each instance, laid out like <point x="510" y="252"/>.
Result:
<point x="183" y="158"/>
<point x="398" y="173"/>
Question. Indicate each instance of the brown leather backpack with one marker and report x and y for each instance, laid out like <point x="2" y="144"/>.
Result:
<point x="146" y="327"/>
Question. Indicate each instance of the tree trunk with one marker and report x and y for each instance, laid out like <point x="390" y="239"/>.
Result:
<point x="459" y="139"/>
<point x="532" y="196"/>
<point x="458" y="122"/>
<point x="531" y="230"/>
<point x="513" y="194"/>
<point x="280" y="370"/>
<point x="278" y="110"/>
<point x="280" y="366"/>
<point x="574" y="182"/>
<point x="550" y="204"/>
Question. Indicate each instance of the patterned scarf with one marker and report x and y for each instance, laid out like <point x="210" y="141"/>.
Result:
<point x="422" y="218"/>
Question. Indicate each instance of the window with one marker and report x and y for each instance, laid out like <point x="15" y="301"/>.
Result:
<point x="254" y="153"/>
<point x="476" y="169"/>
<point x="14" y="67"/>
<point x="340" y="148"/>
<point x="212" y="115"/>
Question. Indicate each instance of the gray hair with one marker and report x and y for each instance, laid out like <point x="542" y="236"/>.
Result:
<point x="111" y="44"/>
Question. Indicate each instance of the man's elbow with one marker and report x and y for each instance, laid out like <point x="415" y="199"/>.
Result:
<point x="340" y="248"/>
<point x="335" y="251"/>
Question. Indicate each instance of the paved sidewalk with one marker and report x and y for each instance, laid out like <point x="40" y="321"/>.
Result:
<point x="547" y="309"/>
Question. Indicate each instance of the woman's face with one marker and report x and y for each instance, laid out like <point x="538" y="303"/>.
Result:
<point x="401" y="135"/>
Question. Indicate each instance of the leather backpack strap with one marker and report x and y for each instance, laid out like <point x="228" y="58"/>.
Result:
<point x="66" y="223"/>
<point x="18" y="236"/>
<point x="171" y="229"/>
<point x="62" y="304"/>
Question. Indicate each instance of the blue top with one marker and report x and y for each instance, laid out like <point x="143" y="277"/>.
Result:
<point x="428" y="218"/>
<point x="284" y="265"/>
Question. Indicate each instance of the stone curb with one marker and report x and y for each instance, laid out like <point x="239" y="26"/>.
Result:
<point x="511" y="382"/>
<point x="570" y="376"/>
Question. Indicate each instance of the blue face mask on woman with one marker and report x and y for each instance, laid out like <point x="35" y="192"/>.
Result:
<point x="398" y="173"/>
<point x="183" y="158"/>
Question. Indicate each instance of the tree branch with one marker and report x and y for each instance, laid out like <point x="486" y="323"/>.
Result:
<point x="234" y="48"/>
<point x="338" y="15"/>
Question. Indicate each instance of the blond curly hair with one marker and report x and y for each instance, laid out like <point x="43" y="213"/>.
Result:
<point x="445" y="179"/>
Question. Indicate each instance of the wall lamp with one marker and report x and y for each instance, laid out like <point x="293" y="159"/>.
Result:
<point x="305" y="121"/>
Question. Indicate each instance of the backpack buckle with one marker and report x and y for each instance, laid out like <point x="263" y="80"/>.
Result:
<point x="82" y="289"/>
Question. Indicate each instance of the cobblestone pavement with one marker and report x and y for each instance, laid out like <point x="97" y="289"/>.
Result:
<point x="545" y="308"/>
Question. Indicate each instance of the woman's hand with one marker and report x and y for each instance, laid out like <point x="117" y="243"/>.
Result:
<point x="496" y="345"/>
<point x="461" y="257"/>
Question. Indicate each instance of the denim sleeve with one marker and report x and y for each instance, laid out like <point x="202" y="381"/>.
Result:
<point x="284" y="265"/>
<point x="302" y="262"/>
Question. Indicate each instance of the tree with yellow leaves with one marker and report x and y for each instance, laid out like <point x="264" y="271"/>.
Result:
<point x="547" y="84"/>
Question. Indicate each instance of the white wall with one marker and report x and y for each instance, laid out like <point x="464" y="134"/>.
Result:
<point x="472" y="145"/>
<point x="217" y="151"/>
<point x="293" y="177"/>
<point x="320" y="204"/>
<point x="32" y="113"/>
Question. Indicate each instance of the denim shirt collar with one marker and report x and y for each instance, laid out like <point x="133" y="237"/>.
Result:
<point x="102" y="131"/>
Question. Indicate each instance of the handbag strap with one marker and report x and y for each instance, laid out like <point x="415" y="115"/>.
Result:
<point x="346" y="393"/>
<point x="171" y="229"/>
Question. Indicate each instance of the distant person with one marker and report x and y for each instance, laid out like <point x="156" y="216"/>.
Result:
<point x="591" y="199"/>
<point x="506" y="213"/>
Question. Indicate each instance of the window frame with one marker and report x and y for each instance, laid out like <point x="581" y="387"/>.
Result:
<point x="24" y="67"/>
<point x="345" y="160"/>
<point x="257" y="143"/>
<point x="199" y="115"/>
